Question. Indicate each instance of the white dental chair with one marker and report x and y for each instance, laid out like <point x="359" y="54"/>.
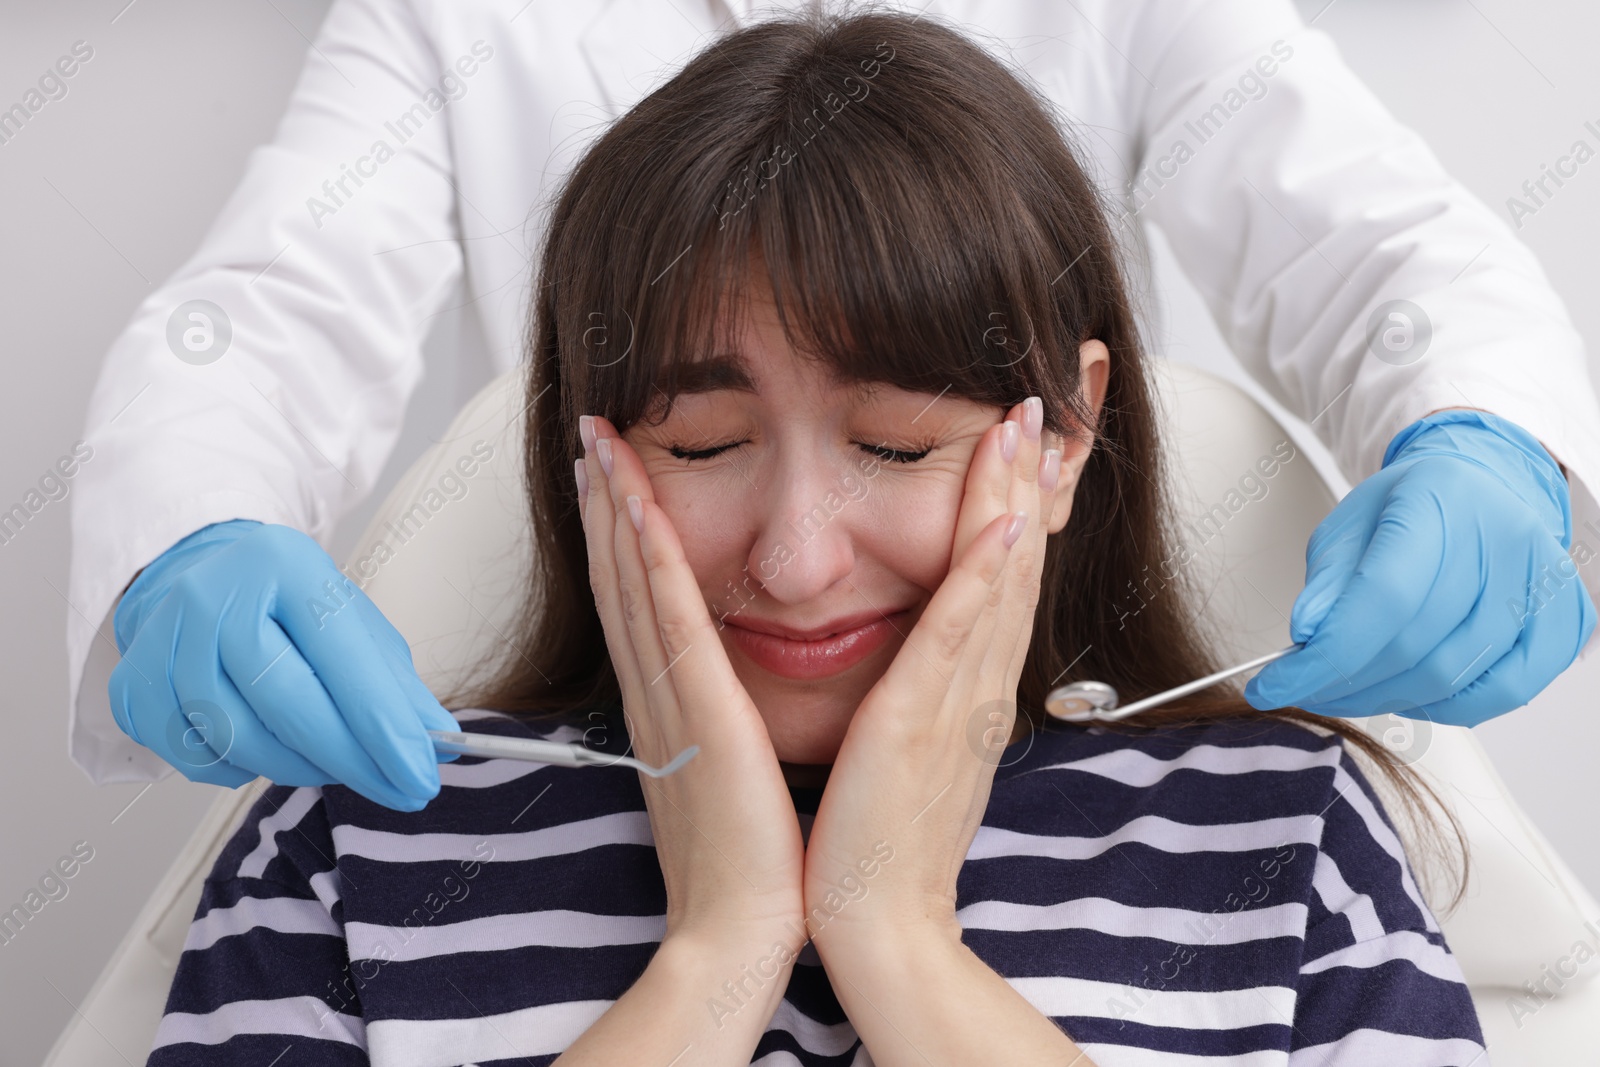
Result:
<point x="449" y="587"/>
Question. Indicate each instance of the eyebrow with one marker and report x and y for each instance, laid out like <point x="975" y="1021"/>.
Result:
<point x="725" y="371"/>
<point x="732" y="371"/>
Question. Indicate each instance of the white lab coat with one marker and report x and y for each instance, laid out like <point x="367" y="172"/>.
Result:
<point x="1297" y="209"/>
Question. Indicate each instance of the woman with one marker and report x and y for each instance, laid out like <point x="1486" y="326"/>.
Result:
<point x="841" y="456"/>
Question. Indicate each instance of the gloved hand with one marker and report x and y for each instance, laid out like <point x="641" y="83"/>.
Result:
<point x="1440" y="587"/>
<point x="245" y="652"/>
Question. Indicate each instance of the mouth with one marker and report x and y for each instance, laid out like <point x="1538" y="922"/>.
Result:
<point x="822" y="657"/>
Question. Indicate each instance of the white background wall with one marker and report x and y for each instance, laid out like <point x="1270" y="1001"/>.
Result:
<point x="108" y="189"/>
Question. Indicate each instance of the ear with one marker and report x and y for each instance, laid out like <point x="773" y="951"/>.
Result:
<point x="1094" y="366"/>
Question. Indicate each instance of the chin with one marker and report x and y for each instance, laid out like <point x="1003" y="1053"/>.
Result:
<point x="807" y="720"/>
<point x="808" y="728"/>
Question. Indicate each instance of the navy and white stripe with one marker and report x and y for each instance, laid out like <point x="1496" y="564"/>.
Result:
<point x="1223" y="894"/>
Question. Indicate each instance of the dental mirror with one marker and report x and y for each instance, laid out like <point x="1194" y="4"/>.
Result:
<point x="1097" y="701"/>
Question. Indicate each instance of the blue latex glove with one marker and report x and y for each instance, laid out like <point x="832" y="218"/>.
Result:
<point x="245" y="652"/>
<point x="1439" y="588"/>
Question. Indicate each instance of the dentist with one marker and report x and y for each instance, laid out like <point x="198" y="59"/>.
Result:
<point x="255" y="396"/>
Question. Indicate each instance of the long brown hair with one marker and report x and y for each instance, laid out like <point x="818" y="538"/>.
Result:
<point x="924" y="222"/>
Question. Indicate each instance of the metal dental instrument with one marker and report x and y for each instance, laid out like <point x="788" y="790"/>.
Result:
<point x="1097" y="701"/>
<point x="536" y="751"/>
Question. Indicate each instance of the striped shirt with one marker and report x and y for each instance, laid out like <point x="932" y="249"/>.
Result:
<point x="1228" y="893"/>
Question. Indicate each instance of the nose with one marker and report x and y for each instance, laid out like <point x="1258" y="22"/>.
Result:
<point x="804" y="542"/>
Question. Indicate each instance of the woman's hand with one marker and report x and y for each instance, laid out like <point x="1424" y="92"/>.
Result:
<point x="911" y="781"/>
<point x="725" y="827"/>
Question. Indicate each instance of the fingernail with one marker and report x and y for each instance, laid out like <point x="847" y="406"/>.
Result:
<point x="586" y="431"/>
<point x="1019" y="519"/>
<point x="1032" y="417"/>
<point x="1050" y="470"/>
<point x="1008" y="442"/>
<point x="582" y="475"/>
<point x="636" y="512"/>
<point x="603" y="448"/>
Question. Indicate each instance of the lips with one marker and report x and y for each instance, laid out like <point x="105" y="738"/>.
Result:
<point x="819" y="652"/>
<point x="812" y="633"/>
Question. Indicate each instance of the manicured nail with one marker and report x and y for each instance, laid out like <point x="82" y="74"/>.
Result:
<point x="1008" y="441"/>
<point x="586" y="431"/>
<point x="602" y="447"/>
<point x="1032" y="417"/>
<point x="636" y="512"/>
<point x="582" y="475"/>
<point x="1050" y="469"/>
<point x="1019" y="519"/>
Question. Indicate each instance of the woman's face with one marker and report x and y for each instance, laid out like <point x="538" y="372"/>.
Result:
<point x="825" y="508"/>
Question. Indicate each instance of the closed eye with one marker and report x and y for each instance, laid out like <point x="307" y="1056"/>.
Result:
<point x="882" y="452"/>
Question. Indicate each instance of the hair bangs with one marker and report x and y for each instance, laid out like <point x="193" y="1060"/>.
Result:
<point x="881" y="268"/>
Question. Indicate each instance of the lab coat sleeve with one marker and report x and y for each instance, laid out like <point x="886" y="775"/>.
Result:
<point x="328" y="262"/>
<point x="1297" y="204"/>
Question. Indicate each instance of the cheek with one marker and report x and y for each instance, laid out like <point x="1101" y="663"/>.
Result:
<point x="908" y="523"/>
<point x="707" y="520"/>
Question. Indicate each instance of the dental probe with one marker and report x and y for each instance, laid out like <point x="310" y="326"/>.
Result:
<point x="536" y="751"/>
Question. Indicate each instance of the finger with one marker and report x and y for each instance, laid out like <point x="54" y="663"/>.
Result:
<point x="1550" y="640"/>
<point x="580" y="475"/>
<point x="432" y="714"/>
<point x="1450" y="667"/>
<point x="1018" y="634"/>
<point x="940" y="637"/>
<point x="986" y="494"/>
<point x="1486" y="641"/>
<point x="146" y="707"/>
<point x="627" y="479"/>
<point x="1382" y="596"/>
<point x="996" y="630"/>
<point x="1332" y="552"/>
<point x="1429" y="613"/>
<point x="689" y="638"/>
<point x="599" y="520"/>
<point x="1460" y="628"/>
<point x="1023" y="495"/>
<point x="191" y="714"/>
<point x="353" y="671"/>
<point x="282" y="706"/>
<point x="602" y="519"/>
